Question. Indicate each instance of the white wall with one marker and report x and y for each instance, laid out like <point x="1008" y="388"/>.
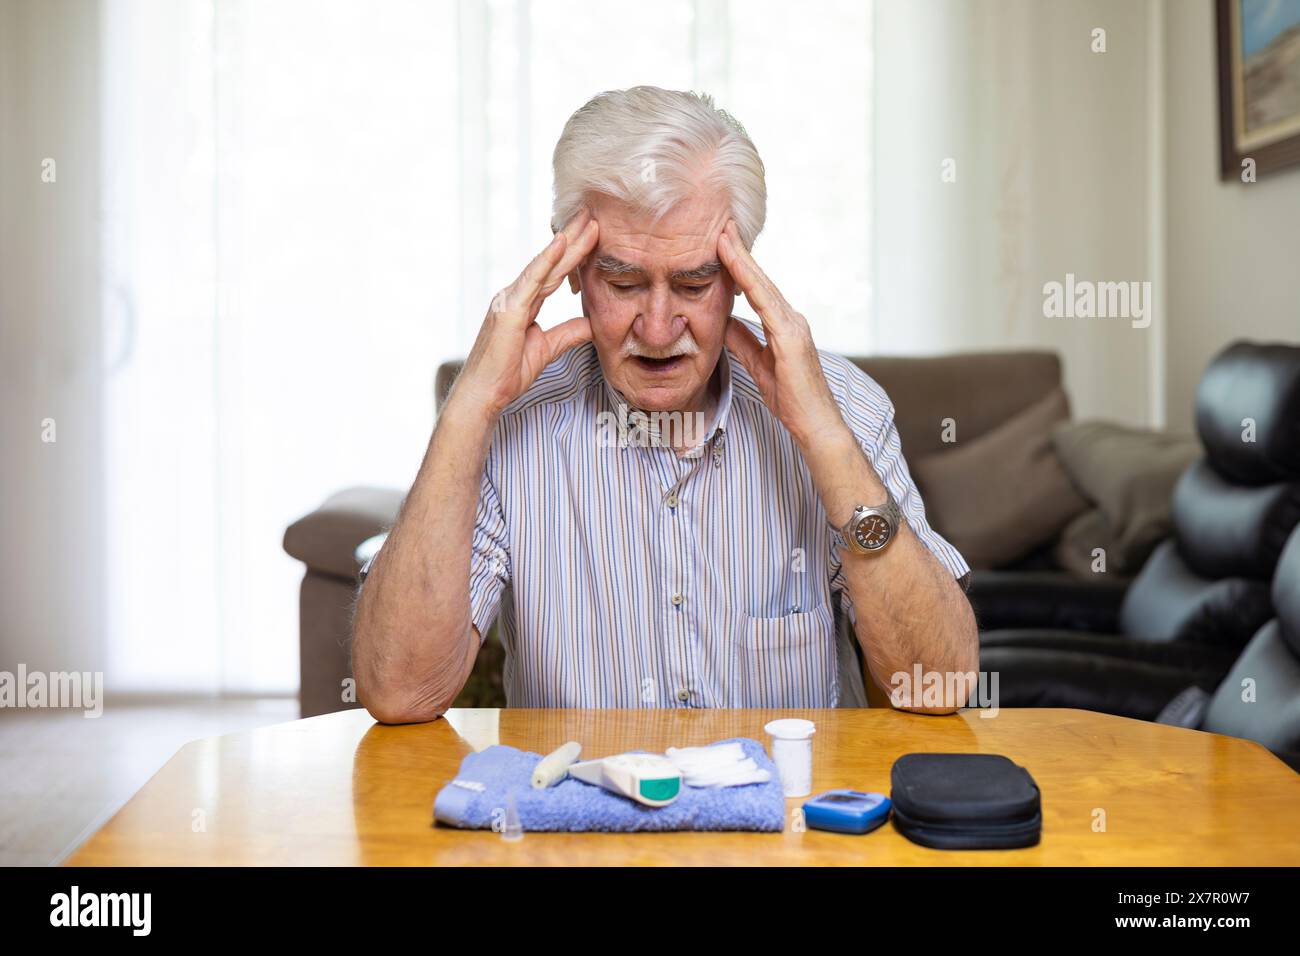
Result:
<point x="1233" y="248"/>
<point x="51" y="586"/>
<point x="1104" y="165"/>
<point x="1050" y="143"/>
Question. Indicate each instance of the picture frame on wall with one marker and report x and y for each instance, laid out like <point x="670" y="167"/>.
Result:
<point x="1259" y="85"/>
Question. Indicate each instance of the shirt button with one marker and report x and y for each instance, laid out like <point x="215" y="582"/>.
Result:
<point x="677" y="599"/>
<point x="683" y="695"/>
<point x="672" y="501"/>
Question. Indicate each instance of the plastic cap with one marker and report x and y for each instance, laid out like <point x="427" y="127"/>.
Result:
<point x="791" y="728"/>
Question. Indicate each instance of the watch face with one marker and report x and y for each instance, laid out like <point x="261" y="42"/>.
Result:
<point x="872" y="533"/>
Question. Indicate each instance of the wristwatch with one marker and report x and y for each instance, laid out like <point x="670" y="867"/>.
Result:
<point x="872" y="527"/>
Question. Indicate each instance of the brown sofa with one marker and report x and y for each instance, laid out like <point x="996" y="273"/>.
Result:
<point x="987" y="389"/>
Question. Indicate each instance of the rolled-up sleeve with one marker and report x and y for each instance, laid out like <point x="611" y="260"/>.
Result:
<point x="489" y="562"/>
<point x="869" y="412"/>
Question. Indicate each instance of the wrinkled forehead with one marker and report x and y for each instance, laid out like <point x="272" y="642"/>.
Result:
<point x="682" y="241"/>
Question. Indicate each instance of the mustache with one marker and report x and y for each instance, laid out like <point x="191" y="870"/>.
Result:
<point x="684" y="344"/>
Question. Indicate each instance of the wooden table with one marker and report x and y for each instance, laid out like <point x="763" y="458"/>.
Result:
<point x="341" y="789"/>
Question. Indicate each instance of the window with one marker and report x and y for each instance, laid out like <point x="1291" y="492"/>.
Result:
<point x="307" y="208"/>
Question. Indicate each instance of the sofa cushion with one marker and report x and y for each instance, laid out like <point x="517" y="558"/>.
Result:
<point x="1248" y="412"/>
<point x="1171" y="602"/>
<point x="999" y="496"/>
<point x="1129" y="473"/>
<point x="1286" y="593"/>
<point x="1270" y="712"/>
<point x="1045" y="599"/>
<point x="1042" y="677"/>
<point x="1206" y="663"/>
<point x="1075" y="550"/>
<point x="979" y="390"/>
<point x="1230" y="530"/>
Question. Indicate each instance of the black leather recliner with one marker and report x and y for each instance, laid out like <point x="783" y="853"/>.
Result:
<point x="1204" y="592"/>
<point x="1260" y="697"/>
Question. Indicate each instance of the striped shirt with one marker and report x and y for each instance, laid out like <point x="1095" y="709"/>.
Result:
<point x="627" y="576"/>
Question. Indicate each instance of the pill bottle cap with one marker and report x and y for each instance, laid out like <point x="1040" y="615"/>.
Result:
<point x="791" y="728"/>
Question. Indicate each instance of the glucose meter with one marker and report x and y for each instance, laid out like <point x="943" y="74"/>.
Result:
<point x="846" y="811"/>
<point x="646" y="778"/>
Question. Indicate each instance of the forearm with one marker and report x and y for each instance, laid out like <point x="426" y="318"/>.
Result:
<point x="910" y="611"/>
<point x="413" y="642"/>
<point x="909" y="608"/>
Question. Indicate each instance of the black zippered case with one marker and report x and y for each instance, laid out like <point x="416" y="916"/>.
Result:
<point x="965" y="801"/>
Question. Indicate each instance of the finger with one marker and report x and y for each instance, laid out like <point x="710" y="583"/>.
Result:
<point x="759" y="290"/>
<point x="762" y="279"/>
<point x="579" y="247"/>
<point x="566" y="335"/>
<point x="575" y="227"/>
<point x="577" y="222"/>
<point x="743" y="343"/>
<point x="524" y="289"/>
<point x="574" y="254"/>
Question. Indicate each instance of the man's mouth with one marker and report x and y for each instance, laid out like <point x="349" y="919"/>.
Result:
<point x="659" y="366"/>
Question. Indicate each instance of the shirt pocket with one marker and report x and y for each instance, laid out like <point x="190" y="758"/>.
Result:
<point x="787" y="661"/>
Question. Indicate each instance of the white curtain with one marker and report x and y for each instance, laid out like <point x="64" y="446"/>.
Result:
<point x="307" y="206"/>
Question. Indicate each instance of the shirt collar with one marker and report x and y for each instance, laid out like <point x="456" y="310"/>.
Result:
<point x="719" y="424"/>
<point x="714" y="431"/>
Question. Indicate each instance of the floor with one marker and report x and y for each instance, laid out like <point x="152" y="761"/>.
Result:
<point x="63" y="775"/>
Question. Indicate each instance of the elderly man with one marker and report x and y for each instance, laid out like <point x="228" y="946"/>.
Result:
<point x="657" y="565"/>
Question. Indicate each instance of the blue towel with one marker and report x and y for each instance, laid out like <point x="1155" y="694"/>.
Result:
<point x="573" y="805"/>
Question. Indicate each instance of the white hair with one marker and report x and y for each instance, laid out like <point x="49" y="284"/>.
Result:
<point x="652" y="148"/>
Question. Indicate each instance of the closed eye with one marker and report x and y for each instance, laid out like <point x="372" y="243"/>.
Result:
<point x="690" y="290"/>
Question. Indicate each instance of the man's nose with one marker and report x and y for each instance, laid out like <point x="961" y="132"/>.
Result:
<point x="658" y="325"/>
